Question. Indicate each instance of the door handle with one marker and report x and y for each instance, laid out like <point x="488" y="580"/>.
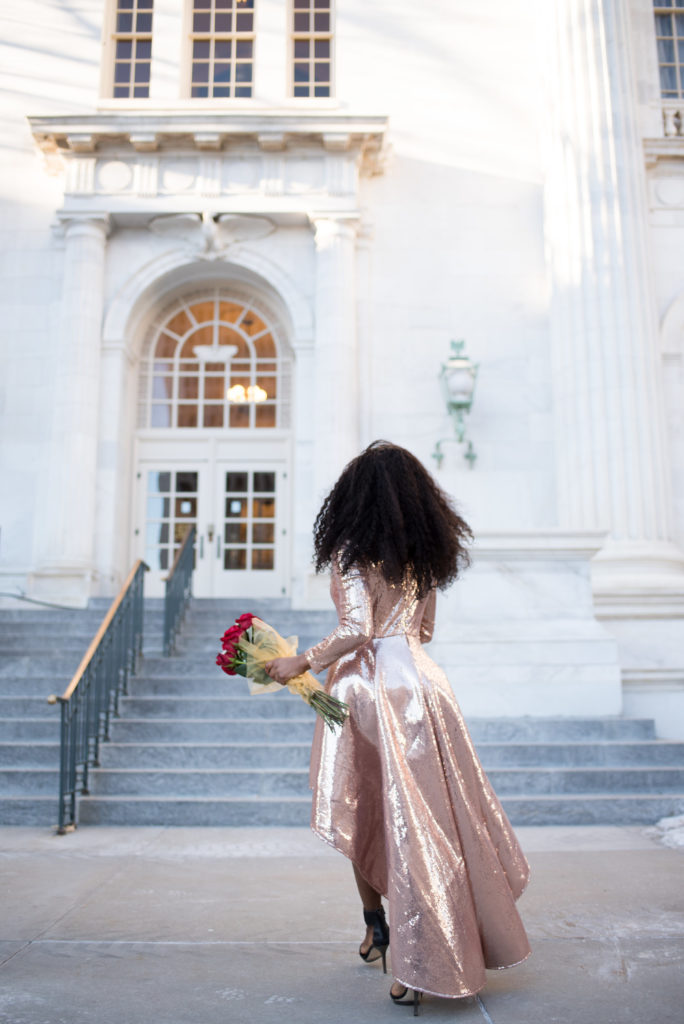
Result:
<point x="201" y="551"/>
<point x="218" y="546"/>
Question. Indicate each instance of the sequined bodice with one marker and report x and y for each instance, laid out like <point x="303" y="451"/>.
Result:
<point x="369" y="608"/>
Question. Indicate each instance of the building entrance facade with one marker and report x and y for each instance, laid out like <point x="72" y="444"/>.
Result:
<point x="212" y="446"/>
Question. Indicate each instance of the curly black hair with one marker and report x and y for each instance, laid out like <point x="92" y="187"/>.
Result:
<point x="387" y="510"/>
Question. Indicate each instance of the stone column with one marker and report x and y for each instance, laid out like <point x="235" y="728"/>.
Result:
<point x="611" y="458"/>
<point x="68" y="519"/>
<point x="336" y="384"/>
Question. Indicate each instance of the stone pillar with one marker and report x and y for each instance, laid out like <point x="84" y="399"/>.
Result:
<point x="336" y="384"/>
<point x="67" y="521"/>
<point x="611" y="458"/>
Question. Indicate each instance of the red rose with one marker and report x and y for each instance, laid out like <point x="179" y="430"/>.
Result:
<point x="244" y="622"/>
<point x="225" y="662"/>
<point x="231" y="636"/>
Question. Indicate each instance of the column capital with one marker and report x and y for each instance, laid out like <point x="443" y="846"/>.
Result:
<point x="330" y="226"/>
<point x="93" y="224"/>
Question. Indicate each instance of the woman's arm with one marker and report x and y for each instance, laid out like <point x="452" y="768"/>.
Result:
<point x="354" y="610"/>
<point x="352" y="599"/>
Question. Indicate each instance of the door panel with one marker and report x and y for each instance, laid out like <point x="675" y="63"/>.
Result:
<point x="238" y="509"/>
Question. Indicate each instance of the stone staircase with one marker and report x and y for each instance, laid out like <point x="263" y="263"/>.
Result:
<point x="192" y="748"/>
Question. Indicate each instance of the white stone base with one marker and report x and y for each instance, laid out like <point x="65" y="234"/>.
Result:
<point x="657" y="694"/>
<point x="71" y="587"/>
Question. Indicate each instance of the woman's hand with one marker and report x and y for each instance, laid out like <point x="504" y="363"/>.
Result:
<point x="284" y="669"/>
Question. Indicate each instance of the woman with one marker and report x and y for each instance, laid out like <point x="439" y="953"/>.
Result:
<point x="399" y="789"/>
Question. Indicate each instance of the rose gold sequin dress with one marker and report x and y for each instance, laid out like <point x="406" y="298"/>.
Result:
<point x="401" y="792"/>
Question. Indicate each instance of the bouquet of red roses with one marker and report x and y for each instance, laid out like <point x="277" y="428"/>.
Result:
<point x="249" y="644"/>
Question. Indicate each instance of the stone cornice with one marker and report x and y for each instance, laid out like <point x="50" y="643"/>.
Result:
<point x="146" y="131"/>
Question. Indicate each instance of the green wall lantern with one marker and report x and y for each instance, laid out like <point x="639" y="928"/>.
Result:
<point x="457" y="377"/>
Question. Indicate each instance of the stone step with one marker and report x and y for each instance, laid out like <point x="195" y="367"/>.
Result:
<point x="27" y="707"/>
<point x="29" y="729"/>
<point x="41" y="811"/>
<point x="518" y="782"/>
<point x="29" y="755"/>
<point x="265" y="705"/>
<point x="629" y="808"/>
<point x="29" y="782"/>
<point x="254" y="730"/>
<point x="287" y="754"/>
<point x="32" y="686"/>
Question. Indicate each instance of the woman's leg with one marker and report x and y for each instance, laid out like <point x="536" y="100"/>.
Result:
<point x="370" y="898"/>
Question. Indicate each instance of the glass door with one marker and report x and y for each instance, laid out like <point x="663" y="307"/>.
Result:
<point x="251" y="539"/>
<point x="239" y="512"/>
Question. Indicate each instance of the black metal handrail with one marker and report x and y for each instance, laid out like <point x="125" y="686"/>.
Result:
<point x="178" y="590"/>
<point x="92" y="697"/>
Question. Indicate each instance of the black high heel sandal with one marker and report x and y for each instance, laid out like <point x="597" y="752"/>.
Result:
<point x="401" y="1000"/>
<point x="381" y="936"/>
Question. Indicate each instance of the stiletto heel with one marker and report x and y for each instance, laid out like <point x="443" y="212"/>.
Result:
<point x="381" y="937"/>
<point x="401" y="999"/>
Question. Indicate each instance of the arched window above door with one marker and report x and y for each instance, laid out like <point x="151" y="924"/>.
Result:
<point x="215" y="360"/>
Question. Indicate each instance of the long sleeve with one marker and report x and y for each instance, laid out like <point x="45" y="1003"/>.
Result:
<point x="351" y="595"/>
<point x="427" y="623"/>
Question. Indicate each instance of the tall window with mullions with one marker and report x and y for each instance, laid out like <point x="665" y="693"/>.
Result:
<point x="312" y="40"/>
<point x="222" y="34"/>
<point x="669" y="24"/>
<point x="132" y="48"/>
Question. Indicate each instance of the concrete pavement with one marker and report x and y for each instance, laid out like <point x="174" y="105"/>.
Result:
<point x="230" y="926"/>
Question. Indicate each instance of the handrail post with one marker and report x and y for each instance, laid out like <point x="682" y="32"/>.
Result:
<point x="178" y="590"/>
<point x="99" y="681"/>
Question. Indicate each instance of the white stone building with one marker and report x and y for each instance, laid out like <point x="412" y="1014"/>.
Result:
<point x="302" y="202"/>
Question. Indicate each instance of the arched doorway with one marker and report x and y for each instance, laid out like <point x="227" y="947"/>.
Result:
<point x="213" y="442"/>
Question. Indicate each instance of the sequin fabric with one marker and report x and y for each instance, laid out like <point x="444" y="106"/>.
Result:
<point x="401" y="792"/>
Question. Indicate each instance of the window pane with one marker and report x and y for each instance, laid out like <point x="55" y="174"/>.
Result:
<point x="122" y="72"/>
<point x="321" y="22"/>
<point x="143" y="23"/>
<point x="264" y="482"/>
<point x="223" y="22"/>
<point x="160" y="416"/>
<point x="262" y="558"/>
<point x="666" y="50"/>
<point x="301" y="72"/>
<point x="143" y="50"/>
<point x="322" y="72"/>
<point x="243" y="48"/>
<point x="236" y="508"/>
<point x="186" y="507"/>
<point x="222" y="49"/>
<point x="213" y="416"/>
<point x="301" y="22"/>
<point x="124" y="49"/>
<point x="664" y="24"/>
<point x="243" y="73"/>
<point x="301" y="48"/>
<point x="199" y="91"/>
<point x="142" y="72"/>
<point x="186" y="482"/>
<point x="200" y="72"/>
<point x="236" y="482"/>
<point x="301" y="90"/>
<point x="235" y="533"/>
<point x="322" y="90"/>
<point x="158" y="507"/>
<point x="124" y="23"/>
<point x="160" y="482"/>
<point x="222" y="72"/>
<point x="234" y="559"/>
<point x="265" y="416"/>
<point x="263" y="533"/>
<point x="187" y="415"/>
<point x="263" y="508"/>
<point x="244" y="22"/>
<point x="668" y="79"/>
<point x="201" y="23"/>
<point x="322" y="49"/>
<point x="200" y="48"/>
